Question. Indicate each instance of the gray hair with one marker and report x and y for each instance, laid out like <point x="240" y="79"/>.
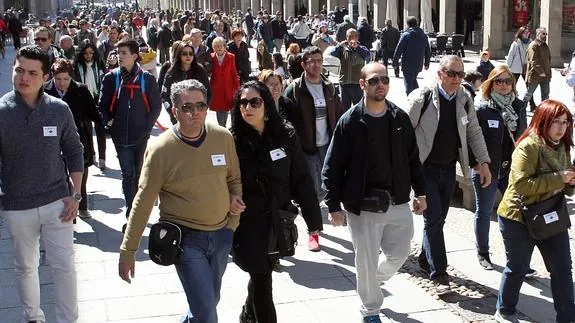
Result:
<point x="346" y="18"/>
<point x="351" y="31"/>
<point x="186" y="86"/>
<point x="165" y="24"/>
<point x="445" y="60"/>
<point x="540" y="30"/>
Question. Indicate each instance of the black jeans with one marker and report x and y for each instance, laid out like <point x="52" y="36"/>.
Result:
<point x="101" y="138"/>
<point x="84" y="202"/>
<point x="260" y="298"/>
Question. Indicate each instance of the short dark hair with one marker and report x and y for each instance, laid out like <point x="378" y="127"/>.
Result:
<point x="472" y="76"/>
<point x="62" y="65"/>
<point x="411" y="22"/>
<point x="131" y="44"/>
<point x="310" y="50"/>
<point x="36" y="53"/>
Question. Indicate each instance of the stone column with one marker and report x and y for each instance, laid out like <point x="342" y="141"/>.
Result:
<point x="448" y="11"/>
<point x="245" y="4"/>
<point x="353" y="12"/>
<point x="410" y="8"/>
<point x="255" y="7"/>
<point x="362" y="8"/>
<point x="379" y="8"/>
<point x="276" y="6"/>
<point x="493" y="28"/>
<point x="32" y="7"/>
<point x="551" y="18"/>
<point x="289" y="9"/>
<point x="313" y="7"/>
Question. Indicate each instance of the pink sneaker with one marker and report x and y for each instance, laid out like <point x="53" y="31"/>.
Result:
<point x="313" y="242"/>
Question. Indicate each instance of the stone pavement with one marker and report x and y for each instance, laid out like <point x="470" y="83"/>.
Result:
<point x="312" y="287"/>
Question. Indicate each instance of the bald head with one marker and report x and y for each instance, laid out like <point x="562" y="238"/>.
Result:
<point x="372" y="68"/>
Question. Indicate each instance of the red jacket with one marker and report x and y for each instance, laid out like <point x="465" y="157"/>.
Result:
<point x="138" y="22"/>
<point x="224" y="82"/>
<point x="3" y="26"/>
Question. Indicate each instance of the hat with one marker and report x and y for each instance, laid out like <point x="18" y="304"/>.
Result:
<point x="323" y="24"/>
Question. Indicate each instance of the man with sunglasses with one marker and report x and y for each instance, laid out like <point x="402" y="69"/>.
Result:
<point x="42" y="38"/>
<point x="371" y="166"/>
<point x="314" y="116"/>
<point x="194" y="169"/>
<point x="445" y="124"/>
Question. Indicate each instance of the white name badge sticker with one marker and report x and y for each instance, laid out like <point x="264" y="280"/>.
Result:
<point x="219" y="160"/>
<point x="277" y="154"/>
<point x="50" y="131"/>
<point x="464" y="120"/>
<point x="319" y="102"/>
<point x="493" y="123"/>
<point x="551" y="217"/>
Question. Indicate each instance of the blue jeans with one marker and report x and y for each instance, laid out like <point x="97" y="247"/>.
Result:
<point x="484" y="202"/>
<point x="410" y="81"/>
<point x="200" y="268"/>
<point x="439" y="187"/>
<point x="557" y="257"/>
<point x="131" y="158"/>
<point x="350" y="95"/>
<point x="315" y="165"/>
<point x="270" y="44"/>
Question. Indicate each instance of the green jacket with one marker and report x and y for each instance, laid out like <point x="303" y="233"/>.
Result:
<point x="534" y="176"/>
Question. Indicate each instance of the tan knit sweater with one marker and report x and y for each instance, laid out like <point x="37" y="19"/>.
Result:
<point x="194" y="185"/>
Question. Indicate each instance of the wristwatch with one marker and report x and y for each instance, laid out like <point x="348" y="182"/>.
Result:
<point x="77" y="196"/>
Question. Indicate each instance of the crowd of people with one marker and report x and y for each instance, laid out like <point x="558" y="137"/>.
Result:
<point x="296" y="144"/>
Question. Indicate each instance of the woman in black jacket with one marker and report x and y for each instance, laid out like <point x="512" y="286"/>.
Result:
<point x="275" y="84"/>
<point x="240" y="49"/>
<point x="274" y="171"/>
<point x="498" y="118"/>
<point x="184" y="67"/>
<point x="84" y="110"/>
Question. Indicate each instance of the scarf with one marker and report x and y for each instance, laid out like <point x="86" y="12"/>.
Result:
<point x="221" y="58"/>
<point x="126" y="75"/>
<point x="554" y="156"/>
<point x="502" y="104"/>
<point x="89" y="78"/>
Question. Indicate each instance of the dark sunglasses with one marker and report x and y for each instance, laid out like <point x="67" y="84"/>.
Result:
<point x="452" y="74"/>
<point x="188" y="53"/>
<point x="501" y="81"/>
<point x="253" y="102"/>
<point x="194" y="107"/>
<point x="384" y="79"/>
<point x="37" y="39"/>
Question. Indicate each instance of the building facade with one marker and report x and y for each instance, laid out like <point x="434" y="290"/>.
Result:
<point x="39" y="8"/>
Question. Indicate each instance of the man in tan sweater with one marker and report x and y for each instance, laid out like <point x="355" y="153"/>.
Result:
<point x="194" y="169"/>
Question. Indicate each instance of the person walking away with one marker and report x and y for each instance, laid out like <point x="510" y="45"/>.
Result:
<point x="413" y="49"/>
<point x="207" y="211"/>
<point x="389" y="40"/>
<point x="42" y="167"/>
<point x="366" y="161"/>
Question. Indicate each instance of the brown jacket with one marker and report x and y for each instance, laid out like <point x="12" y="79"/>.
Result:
<point x="538" y="62"/>
<point x="302" y="115"/>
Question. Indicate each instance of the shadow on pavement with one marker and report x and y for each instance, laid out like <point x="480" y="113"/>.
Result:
<point x="343" y="258"/>
<point x="106" y="204"/>
<point x="304" y="273"/>
<point x="108" y="172"/>
<point x="344" y="243"/>
<point x="398" y="317"/>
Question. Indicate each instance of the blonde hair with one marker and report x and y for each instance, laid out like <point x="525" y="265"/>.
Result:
<point x="219" y="41"/>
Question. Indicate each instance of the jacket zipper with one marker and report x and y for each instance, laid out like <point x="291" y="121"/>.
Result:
<point x="501" y="149"/>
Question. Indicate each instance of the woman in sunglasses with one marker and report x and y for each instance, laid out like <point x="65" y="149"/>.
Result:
<point x="274" y="171"/>
<point x="184" y="67"/>
<point x="498" y="117"/>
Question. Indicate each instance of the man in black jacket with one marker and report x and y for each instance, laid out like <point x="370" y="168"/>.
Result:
<point x="389" y="39"/>
<point x="371" y="166"/>
<point x="279" y="29"/>
<point x="249" y="21"/>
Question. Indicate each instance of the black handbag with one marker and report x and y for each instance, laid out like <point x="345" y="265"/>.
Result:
<point x="377" y="201"/>
<point x="289" y="229"/>
<point x="164" y="243"/>
<point x="547" y="218"/>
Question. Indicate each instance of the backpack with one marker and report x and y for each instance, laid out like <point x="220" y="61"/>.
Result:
<point x="427" y="99"/>
<point x="130" y="86"/>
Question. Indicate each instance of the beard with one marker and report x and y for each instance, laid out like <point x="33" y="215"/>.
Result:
<point x="376" y="97"/>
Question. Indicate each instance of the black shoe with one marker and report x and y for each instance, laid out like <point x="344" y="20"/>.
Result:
<point x="124" y="227"/>
<point x="485" y="261"/>
<point x="442" y="285"/>
<point x="423" y="264"/>
<point x="246" y="317"/>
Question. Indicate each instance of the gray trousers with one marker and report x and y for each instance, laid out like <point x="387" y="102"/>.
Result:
<point x="278" y="43"/>
<point x="392" y="233"/>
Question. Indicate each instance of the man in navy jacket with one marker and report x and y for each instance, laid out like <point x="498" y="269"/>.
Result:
<point x="414" y="51"/>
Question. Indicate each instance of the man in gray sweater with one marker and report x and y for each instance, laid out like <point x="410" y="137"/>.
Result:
<point x="42" y="166"/>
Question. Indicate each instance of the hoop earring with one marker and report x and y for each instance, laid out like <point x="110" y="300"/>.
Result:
<point x="266" y="118"/>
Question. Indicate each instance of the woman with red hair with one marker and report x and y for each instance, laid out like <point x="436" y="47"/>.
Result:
<point x="541" y="170"/>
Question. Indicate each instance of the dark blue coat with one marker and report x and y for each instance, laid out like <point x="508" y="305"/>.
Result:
<point x="413" y="49"/>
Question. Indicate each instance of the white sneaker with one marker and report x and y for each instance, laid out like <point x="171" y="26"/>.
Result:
<point x="504" y="318"/>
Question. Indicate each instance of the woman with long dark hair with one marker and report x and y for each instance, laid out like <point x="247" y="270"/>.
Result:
<point x="184" y="67"/>
<point x="89" y="69"/>
<point x="274" y="172"/>
<point x="541" y="170"/>
<point x="83" y="107"/>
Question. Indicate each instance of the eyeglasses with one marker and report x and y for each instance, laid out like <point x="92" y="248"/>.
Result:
<point x="193" y="107"/>
<point x="384" y="79"/>
<point x="453" y="74"/>
<point x="40" y="39"/>
<point x="255" y="102"/>
<point x="501" y="81"/>
<point x="561" y="122"/>
<point x="188" y="53"/>
<point x="314" y="61"/>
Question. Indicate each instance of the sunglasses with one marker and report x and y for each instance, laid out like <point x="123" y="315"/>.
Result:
<point x="501" y="81"/>
<point x="253" y="102"/>
<point x="42" y="39"/>
<point x="188" y="53"/>
<point x="384" y="79"/>
<point x="193" y="107"/>
<point x="453" y="74"/>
